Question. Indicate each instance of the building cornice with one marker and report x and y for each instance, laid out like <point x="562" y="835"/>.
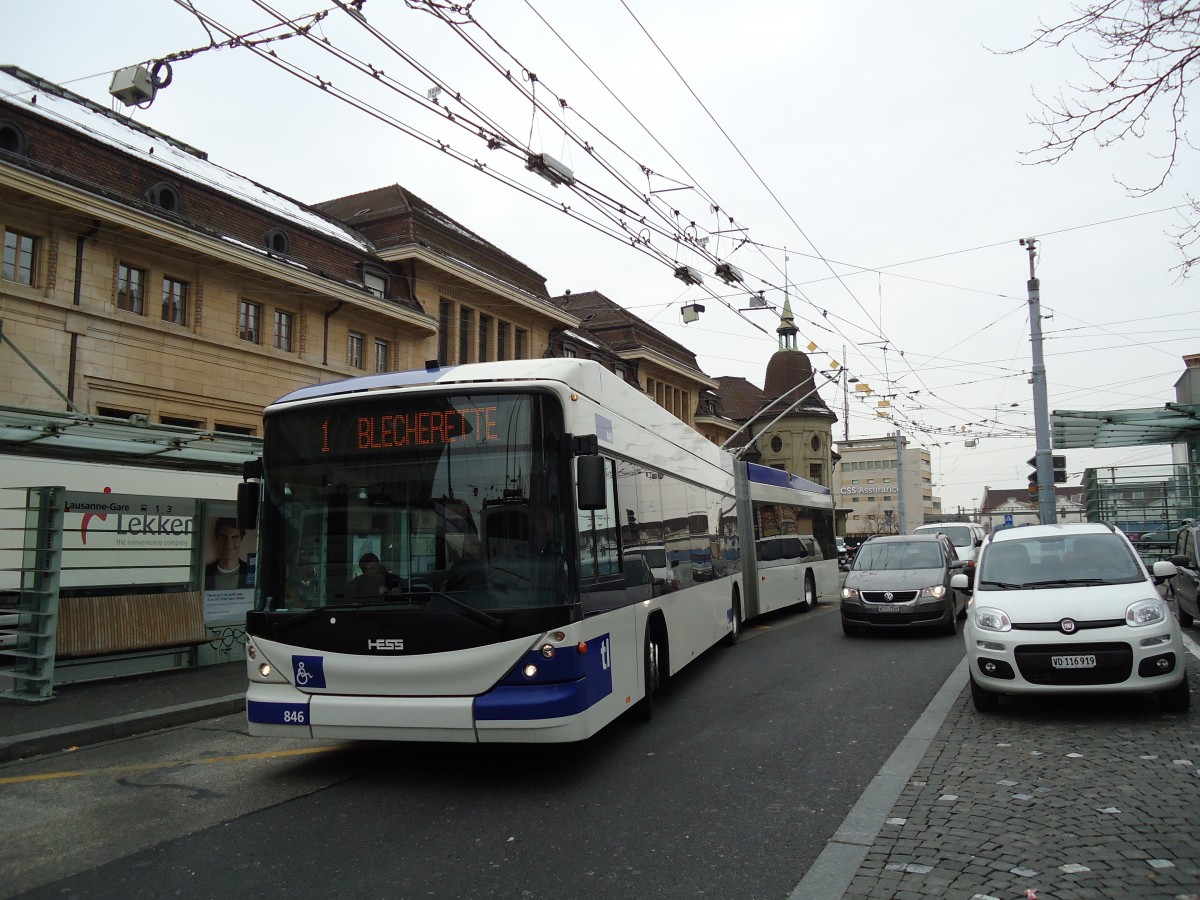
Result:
<point x="479" y="278"/>
<point x="663" y="361"/>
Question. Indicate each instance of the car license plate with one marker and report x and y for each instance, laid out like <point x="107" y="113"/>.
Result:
<point x="890" y="608"/>
<point x="1073" y="662"/>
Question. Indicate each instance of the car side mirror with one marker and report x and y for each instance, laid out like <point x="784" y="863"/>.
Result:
<point x="960" y="582"/>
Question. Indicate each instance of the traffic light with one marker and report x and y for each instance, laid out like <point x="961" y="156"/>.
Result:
<point x="1060" y="469"/>
<point x="1033" y="485"/>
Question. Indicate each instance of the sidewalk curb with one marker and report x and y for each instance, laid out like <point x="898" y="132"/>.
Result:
<point x="54" y="740"/>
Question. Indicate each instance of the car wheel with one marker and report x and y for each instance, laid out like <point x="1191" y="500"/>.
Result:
<point x="984" y="700"/>
<point x="848" y="629"/>
<point x="1185" y="618"/>
<point x="1178" y="698"/>
<point x="951" y="627"/>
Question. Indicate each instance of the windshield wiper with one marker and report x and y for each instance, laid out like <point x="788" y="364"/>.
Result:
<point x="1003" y="585"/>
<point x="1067" y="582"/>
<point x="471" y="612"/>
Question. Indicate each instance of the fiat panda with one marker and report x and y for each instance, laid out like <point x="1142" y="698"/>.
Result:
<point x="1059" y="609"/>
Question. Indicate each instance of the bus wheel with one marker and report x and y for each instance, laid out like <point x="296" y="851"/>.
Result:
<point x="810" y="591"/>
<point x="735" y="630"/>
<point x="644" y="710"/>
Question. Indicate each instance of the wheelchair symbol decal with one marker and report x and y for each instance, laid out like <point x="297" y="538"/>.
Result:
<point x="308" y="672"/>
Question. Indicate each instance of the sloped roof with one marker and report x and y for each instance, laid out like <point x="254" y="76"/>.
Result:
<point x="393" y="216"/>
<point x="739" y="398"/>
<point x="621" y="329"/>
<point x="994" y="497"/>
<point x="57" y="105"/>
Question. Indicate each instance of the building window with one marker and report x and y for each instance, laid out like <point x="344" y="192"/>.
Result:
<point x="233" y="429"/>
<point x="249" y="321"/>
<point x="521" y="351"/>
<point x="815" y="443"/>
<point x="464" y="334"/>
<point x="277" y="241"/>
<point x="165" y="197"/>
<point x="284" y="326"/>
<point x="12" y="138"/>
<point x="174" y="308"/>
<point x="382" y="356"/>
<point x="354" y="350"/>
<point x="20" y="257"/>
<point x="503" y="330"/>
<point x="569" y="351"/>
<point x="485" y="333"/>
<point x="776" y="443"/>
<point x="814" y="472"/>
<point x="376" y="282"/>
<point x="131" y="288"/>
<point x="445" y="317"/>
<point x="179" y="422"/>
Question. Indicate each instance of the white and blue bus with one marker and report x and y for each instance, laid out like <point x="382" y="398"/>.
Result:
<point x="444" y="554"/>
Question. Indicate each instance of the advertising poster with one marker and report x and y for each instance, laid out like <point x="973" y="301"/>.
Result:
<point x="229" y="567"/>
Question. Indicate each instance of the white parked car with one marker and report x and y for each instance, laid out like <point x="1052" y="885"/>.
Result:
<point x="1060" y="609"/>
<point x="967" y="537"/>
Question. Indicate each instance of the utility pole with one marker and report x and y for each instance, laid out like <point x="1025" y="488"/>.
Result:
<point x="845" y="397"/>
<point x="1043" y="458"/>
<point x="900" y="527"/>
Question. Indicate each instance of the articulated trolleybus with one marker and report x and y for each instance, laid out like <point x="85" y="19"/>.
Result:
<point x="442" y="554"/>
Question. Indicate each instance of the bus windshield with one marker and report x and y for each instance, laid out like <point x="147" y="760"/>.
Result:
<point x="422" y="501"/>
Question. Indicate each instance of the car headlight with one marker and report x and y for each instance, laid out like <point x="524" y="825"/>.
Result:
<point x="991" y="619"/>
<point x="849" y="594"/>
<point x="1145" y="612"/>
<point x="938" y="591"/>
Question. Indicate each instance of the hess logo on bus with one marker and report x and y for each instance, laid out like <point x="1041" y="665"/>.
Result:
<point x="386" y="644"/>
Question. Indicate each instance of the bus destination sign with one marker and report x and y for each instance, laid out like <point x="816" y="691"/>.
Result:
<point x="431" y="428"/>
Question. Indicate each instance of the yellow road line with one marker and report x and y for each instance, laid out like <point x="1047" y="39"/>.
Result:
<point x="149" y="767"/>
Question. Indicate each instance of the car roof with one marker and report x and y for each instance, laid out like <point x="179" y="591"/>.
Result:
<point x="1026" y="532"/>
<point x="898" y="538"/>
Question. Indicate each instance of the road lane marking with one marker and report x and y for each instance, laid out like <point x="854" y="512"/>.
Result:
<point x="176" y="764"/>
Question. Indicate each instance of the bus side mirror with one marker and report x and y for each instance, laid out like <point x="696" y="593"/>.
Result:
<point x="589" y="492"/>
<point x="247" y="505"/>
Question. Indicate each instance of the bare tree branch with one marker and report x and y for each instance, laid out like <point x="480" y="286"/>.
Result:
<point x="1143" y="57"/>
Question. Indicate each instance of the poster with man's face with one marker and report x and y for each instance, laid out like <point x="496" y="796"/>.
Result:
<point x="229" y="567"/>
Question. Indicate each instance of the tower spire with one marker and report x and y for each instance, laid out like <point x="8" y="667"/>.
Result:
<point x="787" y="329"/>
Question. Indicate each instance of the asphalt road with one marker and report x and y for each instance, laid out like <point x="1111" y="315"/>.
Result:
<point x="747" y="768"/>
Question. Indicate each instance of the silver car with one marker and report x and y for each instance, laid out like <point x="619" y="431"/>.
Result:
<point x="903" y="581"/>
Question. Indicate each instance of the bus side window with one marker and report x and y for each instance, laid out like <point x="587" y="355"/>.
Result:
<point x="598" y="539"/>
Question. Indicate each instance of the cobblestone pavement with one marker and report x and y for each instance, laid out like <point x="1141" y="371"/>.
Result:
<point x="1060" y="798"/>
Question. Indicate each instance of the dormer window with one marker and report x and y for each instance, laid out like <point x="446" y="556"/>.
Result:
<point x="375" y="279"/>
<point x="277" y="241"/>
<point x="12" y="138"/>
<point x="166" y="197"/>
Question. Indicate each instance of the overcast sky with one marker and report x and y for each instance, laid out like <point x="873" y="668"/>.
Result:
<point x="871" y="154"/>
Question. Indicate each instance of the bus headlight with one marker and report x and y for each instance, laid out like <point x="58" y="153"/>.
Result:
<point x="547" y="651"/>
<point x="530" y="671"/>
<point x="264" y="669"/>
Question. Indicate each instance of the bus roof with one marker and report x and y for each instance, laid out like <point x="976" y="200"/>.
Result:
<point x="581" y="374"/>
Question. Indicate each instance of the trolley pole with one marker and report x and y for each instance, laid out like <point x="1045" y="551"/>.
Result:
<point x="1041" y="412"/>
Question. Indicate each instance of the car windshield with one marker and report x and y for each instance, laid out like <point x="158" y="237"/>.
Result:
<point x="1058" y="561"/>
<point x="876" y="555"/>
<point x="960" y="535"/>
